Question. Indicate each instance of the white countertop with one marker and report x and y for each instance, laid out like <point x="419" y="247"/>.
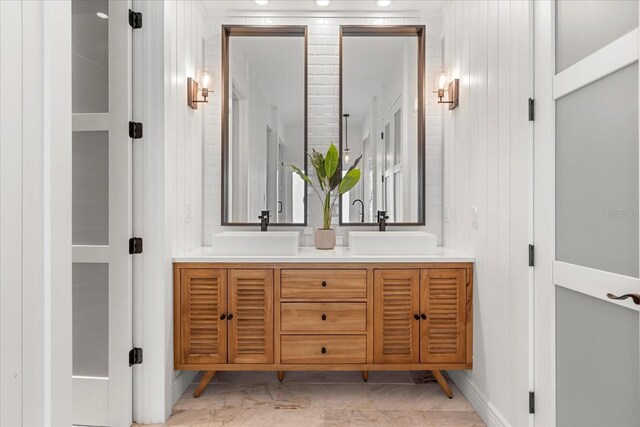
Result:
<point x="311" y="254"/>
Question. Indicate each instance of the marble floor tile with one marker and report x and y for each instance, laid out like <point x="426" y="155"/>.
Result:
<point x="219" y="396"/>
<point x="309" y="399"/>
<point x="410" y="397"/>
<point x="368" y="418"/>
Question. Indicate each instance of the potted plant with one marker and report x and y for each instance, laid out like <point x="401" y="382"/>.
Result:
<point x="328" y="172"/>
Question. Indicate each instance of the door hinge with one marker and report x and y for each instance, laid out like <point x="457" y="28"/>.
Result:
<point x="135" y="19"/>
<point x="135" y="130"/>
<point x="135" y="245"/>
<point x="381" y="135"/>
<point x="135" y="356"/>
<point x="532" y="402"/>
<point x="532" y="110"/>
<point x="532" y="253"/>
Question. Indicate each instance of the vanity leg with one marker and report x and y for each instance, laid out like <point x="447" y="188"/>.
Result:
<point x="206" y="378"/>
<point x="443" y="383"/>
<point x="280" y="376"/>
<point x="365" y="375"/>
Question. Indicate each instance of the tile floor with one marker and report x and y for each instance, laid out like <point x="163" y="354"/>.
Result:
<point x="257" y="399"/>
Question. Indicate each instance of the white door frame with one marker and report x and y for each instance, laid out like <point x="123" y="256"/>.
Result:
<point x="549" y="272"/>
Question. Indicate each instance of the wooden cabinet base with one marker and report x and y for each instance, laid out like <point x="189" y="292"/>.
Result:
<point x="323" y="317"/>
<point x="204" y="382"/>
<point x="442" y="381"/>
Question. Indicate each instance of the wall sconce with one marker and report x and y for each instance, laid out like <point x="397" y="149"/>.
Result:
<point x="451" y="89"/>
<point x="193" y="89"/>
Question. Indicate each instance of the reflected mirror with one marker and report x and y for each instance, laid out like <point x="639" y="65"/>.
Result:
<point x="264" y="124"/>
<point x="382" y="120"/>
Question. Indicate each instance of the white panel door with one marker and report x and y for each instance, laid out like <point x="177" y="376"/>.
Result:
<point x="102" y="267"/>
<point x="588" y="321"/>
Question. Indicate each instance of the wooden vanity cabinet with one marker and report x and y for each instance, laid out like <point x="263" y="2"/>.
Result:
<point x="420" y="315"/>
<point x="323" y="316"/>
<point x="223" y="316"/>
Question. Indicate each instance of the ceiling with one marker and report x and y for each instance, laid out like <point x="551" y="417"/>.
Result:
<point x="226" y="6"/>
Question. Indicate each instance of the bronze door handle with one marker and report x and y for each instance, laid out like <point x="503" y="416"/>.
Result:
<point x="634" y="297"/>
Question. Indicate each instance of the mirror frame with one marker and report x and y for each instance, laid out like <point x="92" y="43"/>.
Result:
<point x="418" y="31"/>
<point x="229" y="31"/>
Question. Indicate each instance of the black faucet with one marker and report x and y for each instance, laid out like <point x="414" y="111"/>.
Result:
<point x="382" y="220"/>
<point x="361" y="210"/>
<point x="264" y="220"/>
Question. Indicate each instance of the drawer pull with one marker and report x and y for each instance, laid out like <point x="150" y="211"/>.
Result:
<point x="415" y="316"/>
<point x="423" y="316"/>
<point x="324" y="350"/>
<point x="222" y="317"/>
<point x="324" y="317"/>
<point x="324" y="284"/>
<point x="230" y="317"/>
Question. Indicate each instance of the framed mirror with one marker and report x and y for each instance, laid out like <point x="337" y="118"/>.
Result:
<point x="382" y="122"/>
<point x="264" y="124"/>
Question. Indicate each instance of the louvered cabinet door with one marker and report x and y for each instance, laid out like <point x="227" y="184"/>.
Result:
<point x="203" y="301"/>
<point x="396" y="302"/>
<point x="443" y="300"/>
<point x="251" y="327"/>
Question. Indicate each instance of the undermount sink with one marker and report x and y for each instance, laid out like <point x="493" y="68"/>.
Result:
<point x="256" y="243"/>
<point x="392" y="243"/>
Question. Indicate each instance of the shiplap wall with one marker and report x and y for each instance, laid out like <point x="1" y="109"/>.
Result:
<point x="167" y="166"/>
<point x="183" y="140"/>
<point x="323" y="102"/>
<point x="488" y="164"/>
<point x="35" y="213"/>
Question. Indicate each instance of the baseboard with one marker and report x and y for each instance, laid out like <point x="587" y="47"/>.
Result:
<point x="477" y="399"/>
<point x="180" y="383"/>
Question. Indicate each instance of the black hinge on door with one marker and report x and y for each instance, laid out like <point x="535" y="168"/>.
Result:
<point x="532" y="402"/>
<point x="135" y="245"/>
<point x="135" y="130"/>
<point x="532" y="253"/>
<point x="135" y="19"/>
<point x="135" y="356"/>
<point x="532" y="109"/>
<point x="381" y="135"/>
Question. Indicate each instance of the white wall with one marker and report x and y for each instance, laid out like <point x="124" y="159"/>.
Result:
<point x="323" y="105"/>
<point x="167" y="188"/>
<point x="488" y="155"/>
<point x="35" y="213"/>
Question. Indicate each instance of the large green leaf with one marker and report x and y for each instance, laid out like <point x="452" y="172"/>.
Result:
<point x="337" y="177"/>
<point x="353" y="166"/>
<point x="349" y="181"/>
<point x="317" y="161"/>
<point x="331" y="161"/>
<point x="300" y="173"/>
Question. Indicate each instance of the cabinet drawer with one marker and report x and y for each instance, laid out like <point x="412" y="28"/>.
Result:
<point x="323" y="317"/>
<point x="323" y="349"/>
<point x="324" y="284"/>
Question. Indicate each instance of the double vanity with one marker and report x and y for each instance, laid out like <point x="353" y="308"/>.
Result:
<point x="389" y="300"/>
<point x="357" y="308"/>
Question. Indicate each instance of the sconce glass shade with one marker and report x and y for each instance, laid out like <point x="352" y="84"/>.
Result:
<point x="440" y="81"/>
<point x="205" y="81"/>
